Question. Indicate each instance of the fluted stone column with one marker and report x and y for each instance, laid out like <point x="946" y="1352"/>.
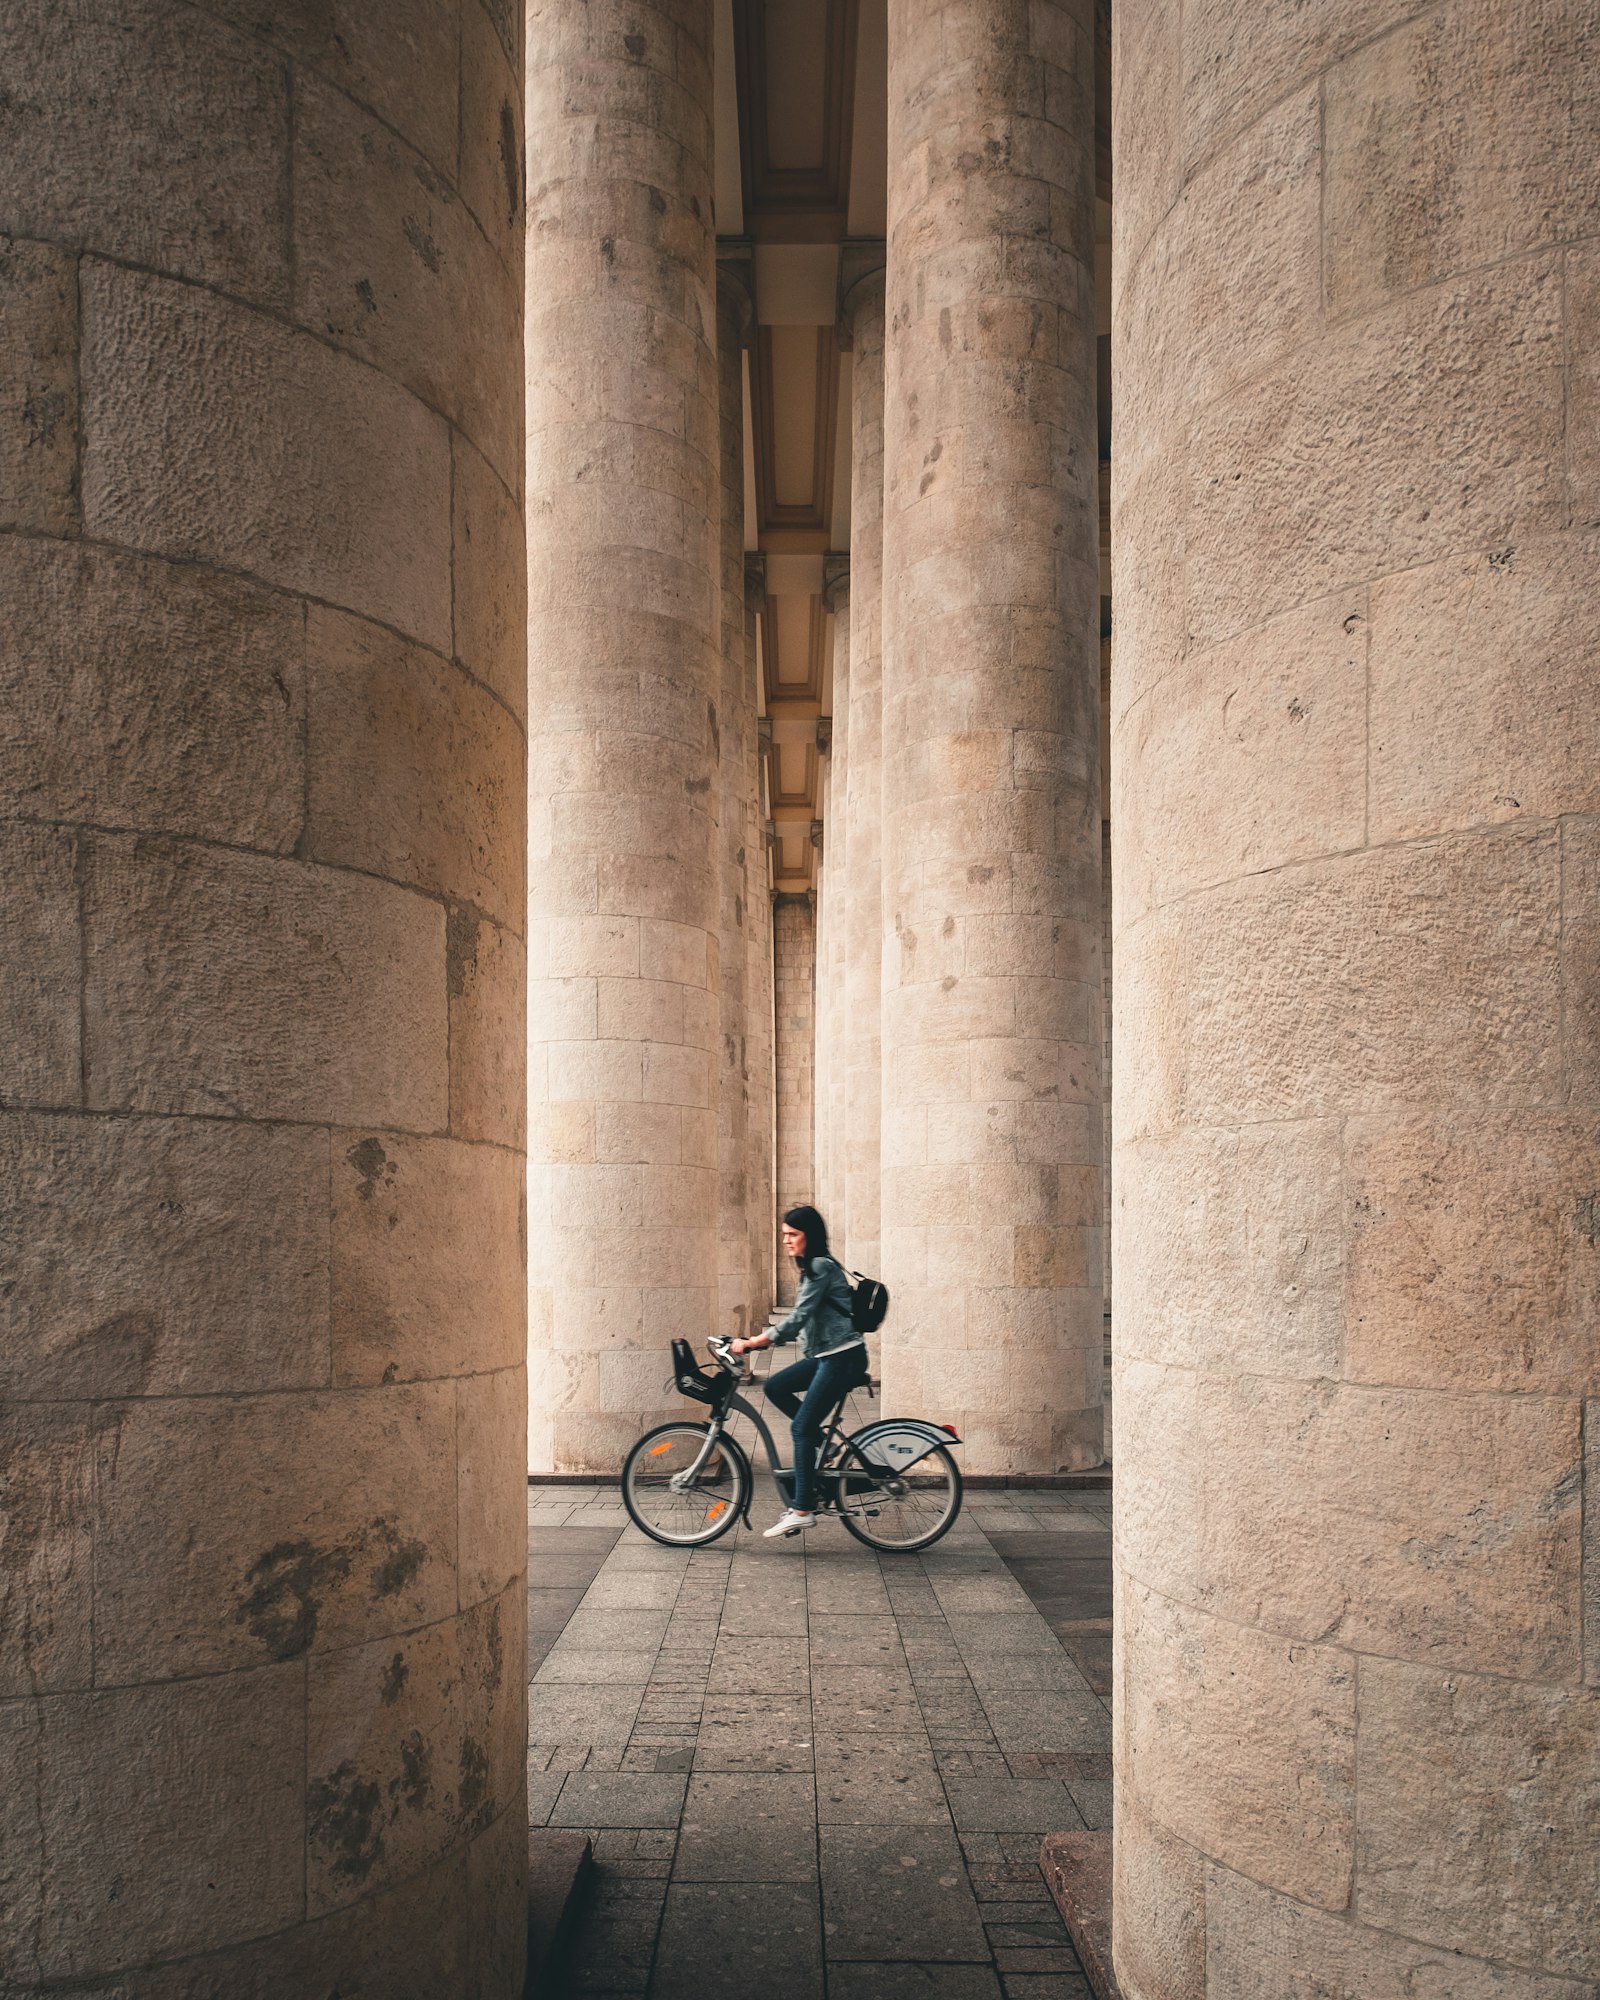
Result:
<point x="836" y="598"/>
<point x="1357" y="800"/>
<point x="863" y="808"/>
<point x="760" y="1163"/>
<point x="624" y="523"/>
<point x="262" y="1398"/>
<point x="736" y="722"/>
<point x="992" y="1223"/>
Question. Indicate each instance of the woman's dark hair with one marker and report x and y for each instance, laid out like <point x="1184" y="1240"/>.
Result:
<point x="812" y="1227"/>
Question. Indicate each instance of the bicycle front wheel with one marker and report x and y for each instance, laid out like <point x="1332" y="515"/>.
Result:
<point x="671" y="1501"/>
<point x="898" y="1512"/>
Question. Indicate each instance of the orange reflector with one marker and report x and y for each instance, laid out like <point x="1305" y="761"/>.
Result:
<point x="721" y="1504"/>
<point x="657" y="1449"/>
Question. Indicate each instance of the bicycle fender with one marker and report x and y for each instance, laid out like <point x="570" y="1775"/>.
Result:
<point x="898" y="1442"/>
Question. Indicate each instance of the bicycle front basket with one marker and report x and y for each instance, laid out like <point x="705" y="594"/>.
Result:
<point x="692" y="1380"/>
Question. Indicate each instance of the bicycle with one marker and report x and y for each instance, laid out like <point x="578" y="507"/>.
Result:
<point x="893" y="1483"/>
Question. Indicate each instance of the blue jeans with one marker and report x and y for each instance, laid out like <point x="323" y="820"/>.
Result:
<point x="806" y="1394"/>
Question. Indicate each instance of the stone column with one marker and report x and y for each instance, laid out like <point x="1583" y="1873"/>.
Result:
<point x="625" y="670"/>
<point x="836" y="597"/>
<point x="992" y="1224"/>
<point x="795" y="958"/>
<point x="736" y="722"/>
<point x="762" y="1123"/>
<point x="262" y="1399"/>
<point x="862" y="817"/>
<point x="1357" y="764"/>
<point x="822" y="1013"/>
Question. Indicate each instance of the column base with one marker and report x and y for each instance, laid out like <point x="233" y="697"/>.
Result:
<point x="1077" y="1867"/>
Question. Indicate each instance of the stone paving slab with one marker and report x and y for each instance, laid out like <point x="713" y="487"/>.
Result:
<point x="804" y="1767"/>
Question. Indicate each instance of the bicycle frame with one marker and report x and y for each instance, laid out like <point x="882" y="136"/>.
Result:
<point x="782" y="1476"/>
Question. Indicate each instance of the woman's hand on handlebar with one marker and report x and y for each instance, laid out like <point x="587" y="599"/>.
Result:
<point x="748" y="1346"/>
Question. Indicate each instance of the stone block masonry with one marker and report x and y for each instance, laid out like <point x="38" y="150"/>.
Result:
<point x="1355" y="790"/>
<point x="795" y="960"/>
<point x="626" y="671"/>
<point x="262" y="914"/>
<point x="991" y="902"/>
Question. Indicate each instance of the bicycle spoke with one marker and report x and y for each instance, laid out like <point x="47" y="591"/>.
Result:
<point x="669" y="1498"/>
<point x="901" y="1511"/>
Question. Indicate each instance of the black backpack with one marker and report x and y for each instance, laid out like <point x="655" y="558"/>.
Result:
<point x="869" y="1301"/>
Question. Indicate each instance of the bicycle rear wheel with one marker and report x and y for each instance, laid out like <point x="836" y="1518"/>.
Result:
<point x="663" y="1503"/>
<point x="898" y="1512"/>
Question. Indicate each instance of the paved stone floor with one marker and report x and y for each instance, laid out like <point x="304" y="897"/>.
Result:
<point x="812" y="1771"/>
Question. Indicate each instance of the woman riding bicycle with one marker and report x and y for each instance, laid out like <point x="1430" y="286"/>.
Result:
<point x="835" y="1357"/>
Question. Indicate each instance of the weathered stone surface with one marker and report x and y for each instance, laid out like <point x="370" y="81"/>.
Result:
<point x="1158" y="1903"/>
<point x="98" y="97"/>
<point x="499" y="1897"/>
<point x="1472" y="1256"/>
<point x="491" y="580"/>
<point x="1259" y="1941"/>
<point x="1238" y="58"/>
<point x="46" y="1523"/>
<point x="1404" y="393"/>
<point x="400" y="59"/>
<point x="1195" y="1687"/>
<point x="485" y="972"/>
<point x="390" y="263"/>
<point x="414" y="1744"/>
<point x="416" y="773"/>
<point x="1471" y="1792"/>
<point x="1240" y="1264"/>
<point x="221" y="981"/>
<point x="147" y="694"/>
<point x="1247" y="288"/>
<point x="214" y="433"/>
<point x="259" y="1565"/>
<point x="1441" y="1529"/>
<point x="427" y="1233"/>
<point x="155" y="1256"/>
<point x="1500" y="634"/>
<point x="492" y="157"/>
<point x="1583" y="381"/>
<point x="407" y="1943"/>
<point x="40" y="961"/>
<point x="491" y="1466"/>
<point x="1421" y="183"/>
<point x="1470" y="921"/>
<point x="1285" y="706"/>
<point x="1591" y="1540"/>
<point x="1147" y="57"/>
<point x="1580" y="951"/>
<point x="38" y="364"/>
<point x="231" y="1818"/>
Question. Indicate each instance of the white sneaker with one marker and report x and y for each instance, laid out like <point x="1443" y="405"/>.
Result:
<point x="791" y="1523"/>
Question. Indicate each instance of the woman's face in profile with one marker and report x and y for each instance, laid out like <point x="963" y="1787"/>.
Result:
<point x="794" y="1241"/>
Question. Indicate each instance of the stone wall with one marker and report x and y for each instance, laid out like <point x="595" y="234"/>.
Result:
<point x="262" y="1395"/>
<point x="1357" y="801"/>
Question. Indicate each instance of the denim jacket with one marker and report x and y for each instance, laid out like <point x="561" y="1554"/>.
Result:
<point x="822" y="1315"/>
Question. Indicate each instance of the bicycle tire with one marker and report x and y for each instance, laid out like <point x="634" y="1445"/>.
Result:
<point x="725" y="1507"/>
<point x="857" y="1524"/>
